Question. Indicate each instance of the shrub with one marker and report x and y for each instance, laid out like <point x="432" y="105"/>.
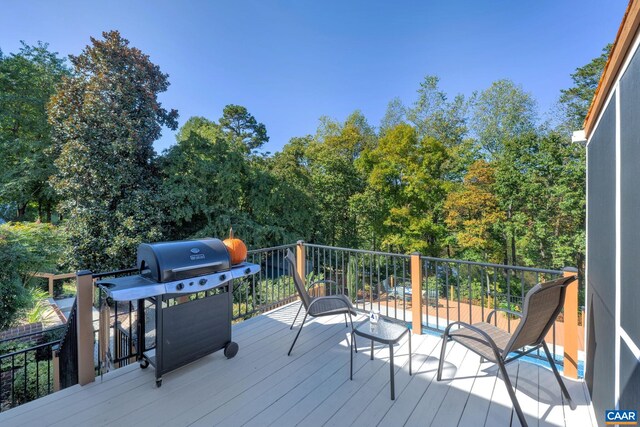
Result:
<point x="24" y="249"/>
<point x="38" y="381"/>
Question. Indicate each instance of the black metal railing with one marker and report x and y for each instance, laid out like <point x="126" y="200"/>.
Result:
<point x="67" y="350"/>
<point x="270" y="288"/>
<point x="372" y="280"/>
<point x="455" y="290"/>
<point x="451" y="289"/>
<point x="123" y="319"/>
<point x="27" y="373"/>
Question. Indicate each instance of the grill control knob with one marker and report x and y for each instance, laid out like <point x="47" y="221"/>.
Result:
<point x="223" y="277"/>
<point x="202" y="282"/>
<point x="180" y="286"/>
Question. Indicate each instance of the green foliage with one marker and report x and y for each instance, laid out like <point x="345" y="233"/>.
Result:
<point x="24" y="249"/>
<point x="501" y="113"/>
<point x="105" y="118"/>
<point x="406" y="176"/>
<point x="243" y="127"/>
<point x="37" y="307"/>
<point x="577" y="99"/>
<point x="211" y="182"/>
<point x="447" y="176"/>
<point x="27" y="81"/>
<point x="39" y="380"/>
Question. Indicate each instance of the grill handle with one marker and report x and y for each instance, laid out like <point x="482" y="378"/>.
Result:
<point x="181" y="269"/>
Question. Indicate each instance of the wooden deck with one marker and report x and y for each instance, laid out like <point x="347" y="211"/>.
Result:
<point x="263" y="386"/>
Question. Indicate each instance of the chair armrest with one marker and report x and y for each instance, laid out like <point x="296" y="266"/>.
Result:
<point x="485" y="335"/>
<point x="504" y="310"/>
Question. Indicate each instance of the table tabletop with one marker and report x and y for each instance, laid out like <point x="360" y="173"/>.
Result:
<point x="384" y="331"/>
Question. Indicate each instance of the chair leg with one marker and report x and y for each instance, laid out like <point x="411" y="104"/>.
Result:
<point x="296" y="318"/>
<point x="298" y="334"/>
<point x="346" y="325"/>
<point x="445" y="338"/>
<point x="512" y="393"/>
<point x="565" y="392"/>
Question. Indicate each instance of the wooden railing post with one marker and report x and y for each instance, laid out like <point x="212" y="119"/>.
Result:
<point x="416" y="293"/>
<point x="571" y="326"/>
<point x="55" y="361"/>
<point x="301" y="261"/>
<point x="84" y="296"/>
<point x="51" y="286"/>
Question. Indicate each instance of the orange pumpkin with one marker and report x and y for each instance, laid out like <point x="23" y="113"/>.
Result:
<point x="236" y="248"/>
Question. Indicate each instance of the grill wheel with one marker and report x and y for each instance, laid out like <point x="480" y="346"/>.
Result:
<point x="231" y="349"/>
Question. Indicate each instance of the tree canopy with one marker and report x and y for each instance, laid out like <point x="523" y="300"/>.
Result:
<point x="471" y="177"/>
<point x="105" y="118"/>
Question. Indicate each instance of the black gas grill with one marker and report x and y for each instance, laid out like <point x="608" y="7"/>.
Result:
<point x="171" y="275"/>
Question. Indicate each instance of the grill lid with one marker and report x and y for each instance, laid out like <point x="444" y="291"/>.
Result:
<point x="169" y="261"/>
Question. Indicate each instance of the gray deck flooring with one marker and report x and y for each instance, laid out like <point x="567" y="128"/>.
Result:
<point x="263" y="386"/>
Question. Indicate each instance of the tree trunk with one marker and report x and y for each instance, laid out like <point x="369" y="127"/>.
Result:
<point x="513" y="249"/>
<point x="22" y="210"/>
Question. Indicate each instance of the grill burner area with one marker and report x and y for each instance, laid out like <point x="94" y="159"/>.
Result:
<point x="186" y="329"/>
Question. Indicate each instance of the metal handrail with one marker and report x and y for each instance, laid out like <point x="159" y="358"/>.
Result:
<point x="272" y="248"/>
<point x="360" y="251"/>
<point x="25" y="350"/>
<point x="485" y="264"/>
<point x="55" y="328"/>
<point x="114" y="272"/>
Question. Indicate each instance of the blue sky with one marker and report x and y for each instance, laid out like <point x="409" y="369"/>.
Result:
<point x="290" y="62"/>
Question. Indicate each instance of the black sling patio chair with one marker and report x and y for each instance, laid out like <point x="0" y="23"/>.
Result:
<point x="541" y="306"/>
<point x="318" y="306"/>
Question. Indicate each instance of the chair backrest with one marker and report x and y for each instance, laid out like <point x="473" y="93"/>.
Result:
<point x="541" y="306"/>
<point x="297" y="280"/>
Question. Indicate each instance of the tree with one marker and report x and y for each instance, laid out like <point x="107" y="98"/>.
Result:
<point x="27" y="81"/>
<point x="393" y="116"/>
<point x="237" y="121"/>
<point x="335" y="179"/>
<point x="435" y="116"/>
<point x="577" y="98"/>
<point x="405" y="190"/>
<point x="473" y="215"/>
<point x="105" y="118"/>
<point x="205" y="175"/>
<point x="502" y="112"/>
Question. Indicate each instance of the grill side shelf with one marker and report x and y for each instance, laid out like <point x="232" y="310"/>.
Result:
<point x="131" y="288"/>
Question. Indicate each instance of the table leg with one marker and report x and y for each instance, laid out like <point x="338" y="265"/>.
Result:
<point x="393" y="386"/>
<point x="371" y="349"/>
<point x="409" y="352"/>
<point x="351" y="358"/>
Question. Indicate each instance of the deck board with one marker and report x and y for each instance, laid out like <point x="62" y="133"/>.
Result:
<point x="263" y="386"/>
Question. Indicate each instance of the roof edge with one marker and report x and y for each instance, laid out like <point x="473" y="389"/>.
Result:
<point x="621" y="46"/>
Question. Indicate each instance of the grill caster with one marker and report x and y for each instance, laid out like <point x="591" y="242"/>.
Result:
<point x="159" y="383"/>
<point x="144" y="364"/>
<point x="231" y="349"/>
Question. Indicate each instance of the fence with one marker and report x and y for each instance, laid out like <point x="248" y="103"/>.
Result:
<point x="27" y="373"/>
<point x="52" y="278"/>
<point x="433" y="292"/>
<point x="424" y="291"/>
